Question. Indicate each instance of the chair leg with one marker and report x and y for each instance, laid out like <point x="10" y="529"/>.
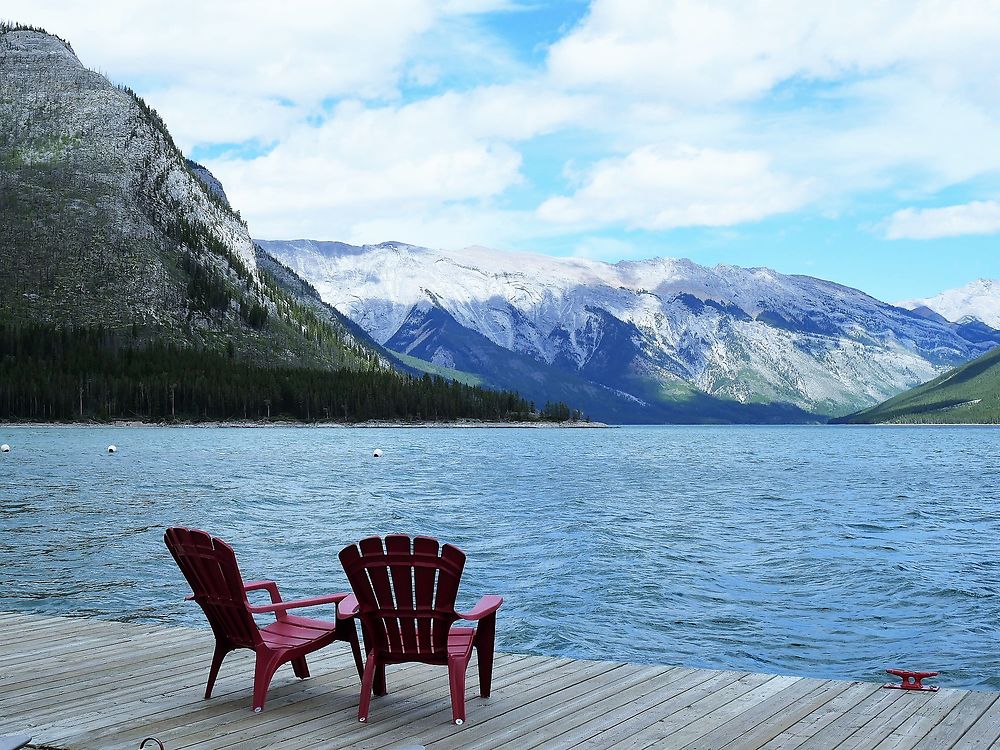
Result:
<point x="301" y="668"/>
<point x="366" y="686"/>
<point x="378" y="687"/>
<point x="221" y="650"/>
<point x="350" y="634"/>
<point x="456" y="679"/>
<point x="485" y="642"/>
<point x="267" y="665"/>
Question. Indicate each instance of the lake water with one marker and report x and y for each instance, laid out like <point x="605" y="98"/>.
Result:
<point x="823" y="551"/>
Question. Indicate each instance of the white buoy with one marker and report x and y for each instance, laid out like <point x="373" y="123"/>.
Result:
<point x="4" y="448"/>
<point x="377" y="453"/>
<point x="112" y="449"/>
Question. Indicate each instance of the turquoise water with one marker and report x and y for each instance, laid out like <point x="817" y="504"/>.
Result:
<point x="833" y="552"/>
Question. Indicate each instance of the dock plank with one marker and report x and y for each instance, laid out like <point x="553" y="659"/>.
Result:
<point x="608" y="730"/>
<point x="83" y="684"/>
<point x="984" y="733"/>
<point x="492" y="715"/>
<point x="882" y="726"/>
<point x="953" y="727"/>
<point x="799" y="732"/>
<point x="909" y="733"/>
<point x="759" y="724"/>
<point x="315" y="717"/>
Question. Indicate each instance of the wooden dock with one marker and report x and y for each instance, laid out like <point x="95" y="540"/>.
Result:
<point x="82" y="683"/>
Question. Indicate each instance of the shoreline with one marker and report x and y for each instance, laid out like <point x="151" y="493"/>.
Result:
<point x="463" y="424"/>
<point x="936" y="424"/>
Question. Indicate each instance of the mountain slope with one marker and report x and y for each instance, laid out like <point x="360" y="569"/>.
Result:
<point x="432" y="334"/>
<point x="104" y="223"/>
<point x="978" y="300"/>
<point x="969" y="394"/>
<point x="656" y="330"/>
<point x="130" y="288"/>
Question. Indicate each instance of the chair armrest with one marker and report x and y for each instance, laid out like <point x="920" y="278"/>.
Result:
<point x="270" y="586"/>
<point x="311" y="602"/>
<point x="348" y="607"/>
<point x="485" y="607"/>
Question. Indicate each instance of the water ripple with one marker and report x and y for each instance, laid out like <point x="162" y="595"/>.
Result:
<point x="818" y="551"/>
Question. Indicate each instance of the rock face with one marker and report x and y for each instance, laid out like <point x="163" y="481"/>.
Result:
<point x="660" y="331"/>
<point x="103" y="222"/>
<point x="210" y="181"/>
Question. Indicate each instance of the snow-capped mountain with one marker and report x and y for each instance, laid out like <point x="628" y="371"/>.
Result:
<point x="977" y="300"/>
<point x="660" y="331"/>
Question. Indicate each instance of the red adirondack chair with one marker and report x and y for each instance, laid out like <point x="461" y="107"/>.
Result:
<point x="406" y="617"/>
<point x="209" y="565"/>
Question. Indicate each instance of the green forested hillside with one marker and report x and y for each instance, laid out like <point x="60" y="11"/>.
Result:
<point x="969" y="394"/>
<point x="95" y="374"/>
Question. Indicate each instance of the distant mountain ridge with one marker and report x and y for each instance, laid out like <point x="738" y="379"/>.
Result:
<point x="977" y="301"/>
<point x="661" y="334"/>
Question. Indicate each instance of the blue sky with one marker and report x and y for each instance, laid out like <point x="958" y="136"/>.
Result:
<point x="856" y="143"/>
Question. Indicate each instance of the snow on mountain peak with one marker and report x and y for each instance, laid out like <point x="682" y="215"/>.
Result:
<point x="977" y="300"/>
<point x="750" y="334"/>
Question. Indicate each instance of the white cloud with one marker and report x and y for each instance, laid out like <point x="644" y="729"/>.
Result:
<point x="363" y="164"/>
<point x="256" y="54"/>
<point x="310" y="49"/>
<point x="384" y="168"/>
<point x="903" y="124"/>
<point x="977" y="217"/>
<point x="852" y="97"/>
<point x="657" y="187"/>
<point x="716" y="50"/>
<point x="200" y="116"/>
<point x="783" y="104"/>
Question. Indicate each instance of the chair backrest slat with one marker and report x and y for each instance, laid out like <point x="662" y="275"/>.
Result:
<point x="209" y="565"/>
<point x="378" y="576"/>
<point x="424" y="580"/>
<point x="447" y="589"/>
<point x="406" y="592"/>
<point x="402" y="587"/>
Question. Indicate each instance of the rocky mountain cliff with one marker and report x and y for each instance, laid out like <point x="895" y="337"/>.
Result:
<point x="104" y="223"/>
<point x="661" y="334"/>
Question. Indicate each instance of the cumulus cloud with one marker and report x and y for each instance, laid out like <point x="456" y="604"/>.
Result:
<point x="657" y="187"/>
<point x="365" y="163"/>
<point x="853" y="97"/>
<point x="716" y="50"/>
<point x="342" y="120"/>
<point x="386" y="168"/>
<point x="253" y="53"/>
<point x="309" y="50"/>
<point x="977" y="217"/>
<point x="202" y="117"/>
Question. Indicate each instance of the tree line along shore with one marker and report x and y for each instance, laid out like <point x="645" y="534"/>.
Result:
<point x="50" y="374"/>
